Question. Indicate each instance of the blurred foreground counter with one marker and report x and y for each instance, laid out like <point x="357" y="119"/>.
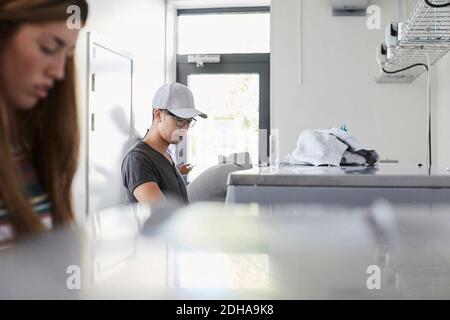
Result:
<point x="215" y="251"/>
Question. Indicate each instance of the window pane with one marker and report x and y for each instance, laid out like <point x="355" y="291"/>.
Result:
<point x="224" y="33"/>
<point x="231" y="102"/>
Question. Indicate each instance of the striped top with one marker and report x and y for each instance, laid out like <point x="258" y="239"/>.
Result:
<point x="38" y="198"/>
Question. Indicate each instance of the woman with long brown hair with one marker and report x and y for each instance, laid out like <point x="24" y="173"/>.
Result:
<point x="39" y="134"/>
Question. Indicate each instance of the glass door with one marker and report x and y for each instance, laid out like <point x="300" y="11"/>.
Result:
<point x="223" y="57"/>
<point x="232" y="104"/>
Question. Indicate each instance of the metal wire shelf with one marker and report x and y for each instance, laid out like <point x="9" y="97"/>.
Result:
<point x="424" y="38"/>
<point x="413" y="47"/>
<point x="427" y="25"/>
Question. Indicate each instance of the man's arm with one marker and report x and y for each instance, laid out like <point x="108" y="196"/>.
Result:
<point x="148" y="193"/>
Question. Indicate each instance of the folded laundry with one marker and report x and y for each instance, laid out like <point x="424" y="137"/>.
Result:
<point x="332" y="147"/>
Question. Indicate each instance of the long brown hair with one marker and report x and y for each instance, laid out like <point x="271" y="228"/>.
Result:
<point x="49" y="132"/>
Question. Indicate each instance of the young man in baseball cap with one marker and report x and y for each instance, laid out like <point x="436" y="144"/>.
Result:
<point x="148" y="172"/>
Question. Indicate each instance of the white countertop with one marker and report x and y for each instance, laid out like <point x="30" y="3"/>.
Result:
<point x="384" y="175"/>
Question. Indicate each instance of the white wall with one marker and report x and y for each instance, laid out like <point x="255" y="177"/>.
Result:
<point x="337" y="59"/>
<point x="441" y="101"/>
<point x="138" y="27"/>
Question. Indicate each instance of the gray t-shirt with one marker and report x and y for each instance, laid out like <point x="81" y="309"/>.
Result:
<point x="144" y="164"/>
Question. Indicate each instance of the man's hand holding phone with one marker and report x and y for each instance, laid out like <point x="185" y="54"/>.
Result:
<point x="185" y="168"/>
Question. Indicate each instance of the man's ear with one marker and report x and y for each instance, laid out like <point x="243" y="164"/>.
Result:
<point x="157" y="115"/>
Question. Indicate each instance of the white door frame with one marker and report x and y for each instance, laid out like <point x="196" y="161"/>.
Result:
<point x="92" y="41"/>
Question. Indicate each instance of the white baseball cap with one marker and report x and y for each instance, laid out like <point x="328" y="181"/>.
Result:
<point x="177" y="99"/>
